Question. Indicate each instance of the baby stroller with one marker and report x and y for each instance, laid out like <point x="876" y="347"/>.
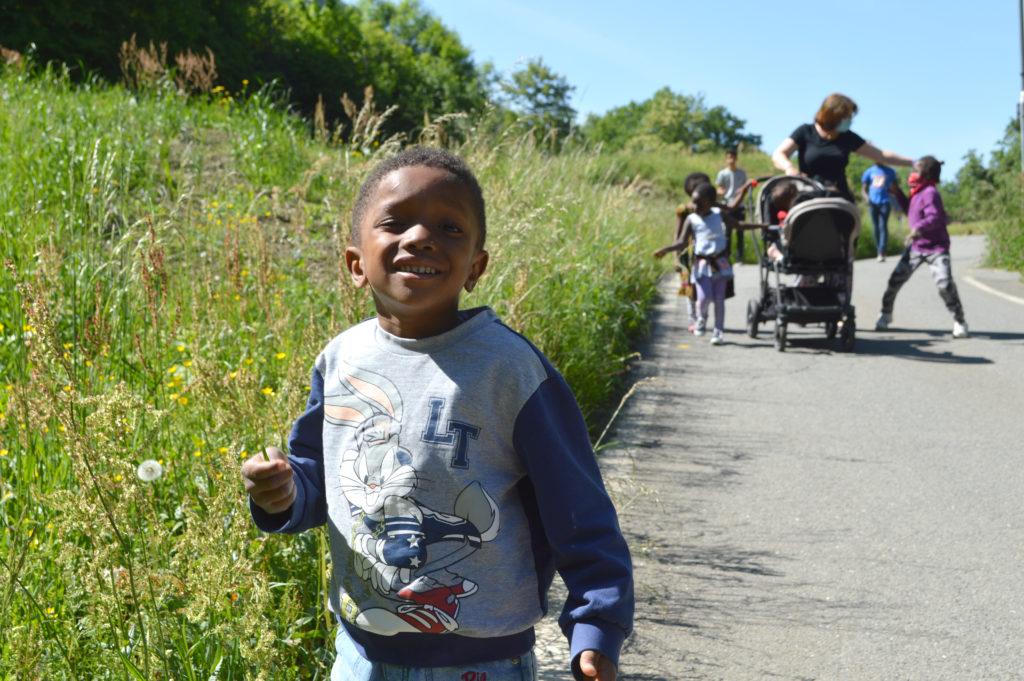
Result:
<point x="814" y="241"/>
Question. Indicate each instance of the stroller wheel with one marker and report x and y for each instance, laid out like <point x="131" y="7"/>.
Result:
<point x="780" y="337"/>
<point x="753" y="311"/>
<point x="847" y="337"/>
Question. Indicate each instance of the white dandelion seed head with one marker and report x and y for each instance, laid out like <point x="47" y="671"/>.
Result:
<point x="150" y="470"/>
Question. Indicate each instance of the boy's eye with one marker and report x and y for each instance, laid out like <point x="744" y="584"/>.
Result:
<point x="388" y="223"/>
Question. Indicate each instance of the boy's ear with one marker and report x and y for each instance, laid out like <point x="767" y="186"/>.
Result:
<point x="354" y="263"/>
<point x="477" y="269"/>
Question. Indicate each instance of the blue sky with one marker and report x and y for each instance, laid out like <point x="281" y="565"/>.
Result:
<point x="938" y="77"/>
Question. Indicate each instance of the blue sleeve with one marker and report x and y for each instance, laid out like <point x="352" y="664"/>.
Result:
<point x="306" y="456"/>
<point x="579" y="521"/>
<point x="866" y="177"/>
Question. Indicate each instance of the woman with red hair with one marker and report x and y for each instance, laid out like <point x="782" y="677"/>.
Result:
<point x="824" y="146"/>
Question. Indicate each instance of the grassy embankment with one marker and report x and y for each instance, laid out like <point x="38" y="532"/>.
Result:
<point x="170" y="270"/>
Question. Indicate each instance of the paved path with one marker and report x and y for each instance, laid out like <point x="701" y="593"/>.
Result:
<point x="815" y="515"/>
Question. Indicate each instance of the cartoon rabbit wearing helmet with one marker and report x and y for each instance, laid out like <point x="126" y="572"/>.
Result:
<point x="402" y="548"/>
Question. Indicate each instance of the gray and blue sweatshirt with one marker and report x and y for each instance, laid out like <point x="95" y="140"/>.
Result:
<point x="455" y="475"/>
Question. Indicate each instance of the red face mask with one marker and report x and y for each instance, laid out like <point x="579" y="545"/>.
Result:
<point x="917" y="183"/>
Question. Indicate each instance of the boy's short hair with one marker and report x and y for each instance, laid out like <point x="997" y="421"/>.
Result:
<point x="931" y="167"/>
<point x="731" y="151"/>
<point x="430" y="158"/>
<point x="694" y="179"/>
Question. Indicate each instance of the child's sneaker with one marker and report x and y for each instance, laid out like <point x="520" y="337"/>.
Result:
<point x="700" y="327"/>
<point x="884" y="320"/>
<point x="716" y="337"/>
<point x="959" y="329"/>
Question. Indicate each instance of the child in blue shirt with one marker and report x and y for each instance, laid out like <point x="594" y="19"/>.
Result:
<point x="448" y="459"/>
<point x="875" y="184"/>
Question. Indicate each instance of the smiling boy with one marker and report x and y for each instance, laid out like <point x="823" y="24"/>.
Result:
<point x="448" y="458"/>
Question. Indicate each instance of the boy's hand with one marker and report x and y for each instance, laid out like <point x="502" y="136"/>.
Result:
<point x="659" y="253"/>
<point x="596" y="666"/>
<point x="270" y="483"/>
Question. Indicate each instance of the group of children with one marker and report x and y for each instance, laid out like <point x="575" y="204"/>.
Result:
<point x="449" y="459"/>
<point x="705" y="266"/>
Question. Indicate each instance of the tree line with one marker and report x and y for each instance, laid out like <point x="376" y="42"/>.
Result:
<point x="327" y="59"/>
<point x="316" y="51"/>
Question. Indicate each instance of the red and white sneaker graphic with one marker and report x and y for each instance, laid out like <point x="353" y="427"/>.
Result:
<point x="427" y="618"/>
<point x="428" y="591"/>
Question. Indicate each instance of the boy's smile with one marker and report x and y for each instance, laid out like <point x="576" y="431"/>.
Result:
<point x="419" y="245"/>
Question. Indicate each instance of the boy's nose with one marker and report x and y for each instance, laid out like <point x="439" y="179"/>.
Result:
<point x="418" y="236"/>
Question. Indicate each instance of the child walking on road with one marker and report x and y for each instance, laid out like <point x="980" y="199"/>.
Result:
<point x="711" y="267"/>
<point x="928" y="243"/>
<point x="448" y="459"/>
<point x="685" y="259"/>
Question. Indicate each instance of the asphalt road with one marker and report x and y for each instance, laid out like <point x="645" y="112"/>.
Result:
<point x="818" y="515"/>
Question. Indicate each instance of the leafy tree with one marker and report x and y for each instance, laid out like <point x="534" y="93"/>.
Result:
<point x="617" y="126"/>
<point x="1006" y="236"/>
<point x="87" y="34"/>
<point x="415" y="62"/>
<point x="315" y="49"/>
<point x="538" y="97"/>
<point x="672" y="118"/>
<point x="966" y="197"/>
<point x="669" y="118"/>
<point x="722" y="129"/>
<point x="312" y="50"/>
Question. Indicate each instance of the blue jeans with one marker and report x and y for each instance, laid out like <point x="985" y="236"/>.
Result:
<point x="349" y="665"/>
<point x="880" y="220"/>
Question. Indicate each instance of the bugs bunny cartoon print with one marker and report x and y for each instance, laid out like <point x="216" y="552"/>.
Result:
<point x="406" y="552"/>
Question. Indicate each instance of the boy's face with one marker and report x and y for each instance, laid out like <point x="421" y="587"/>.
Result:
<point x="419" y="246"/>
<point x="730" y="160"/>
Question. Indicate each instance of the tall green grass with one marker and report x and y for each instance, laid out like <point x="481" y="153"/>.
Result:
<point x="169" y="271"/>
